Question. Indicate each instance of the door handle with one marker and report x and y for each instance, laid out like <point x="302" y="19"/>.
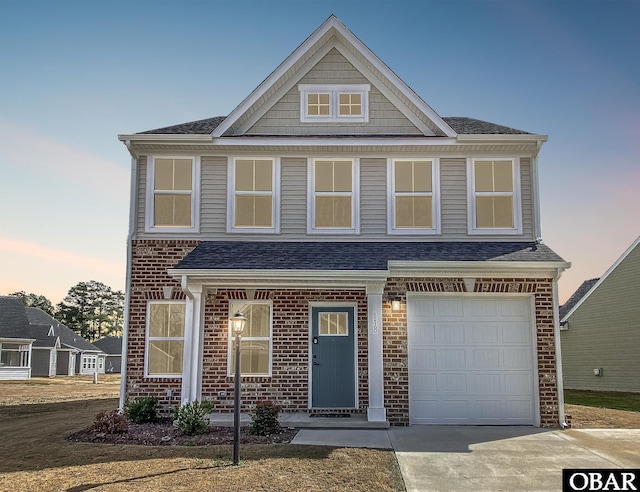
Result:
<point x="316" y="363"/>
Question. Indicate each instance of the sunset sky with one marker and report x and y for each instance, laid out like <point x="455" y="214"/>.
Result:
<point x="75" y="74"/>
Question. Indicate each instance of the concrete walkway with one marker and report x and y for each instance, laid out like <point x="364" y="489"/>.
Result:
<point x="457" y="458"/>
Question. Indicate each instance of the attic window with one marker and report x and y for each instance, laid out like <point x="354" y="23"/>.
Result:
<point x="334" y="103"/>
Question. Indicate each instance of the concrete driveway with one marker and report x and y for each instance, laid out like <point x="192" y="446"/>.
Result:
<point x="452" y="458"/>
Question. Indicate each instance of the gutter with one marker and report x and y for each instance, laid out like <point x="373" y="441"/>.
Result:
<point x="127" y="290"/>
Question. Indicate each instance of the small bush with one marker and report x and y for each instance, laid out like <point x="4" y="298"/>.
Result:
<point x="193" y="418"/>
<point x="110" y="422"/>
<point x="142" y="409"/>
<point x="264" y="418"/>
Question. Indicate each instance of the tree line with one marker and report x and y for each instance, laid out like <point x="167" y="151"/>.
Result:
<point x="91" y="309"/>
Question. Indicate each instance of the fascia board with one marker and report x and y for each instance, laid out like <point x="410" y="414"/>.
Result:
<point x="166" y="138"/>
<point x="228" y="278"/>
<point x="602" y="279"/>
<point x="516" y="269"/>
<point x="499" y="137"/>
<point x="17" y="340"/>
<point x="337" y="142"/>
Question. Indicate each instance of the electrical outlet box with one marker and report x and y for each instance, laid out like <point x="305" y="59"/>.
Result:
<point x="222" y="394"/>
<point x="169" y="393"/>
<point x="598" y="371"/>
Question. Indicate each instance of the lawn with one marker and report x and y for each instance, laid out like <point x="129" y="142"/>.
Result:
<point x="36" y="417"/>
<point x="604" y="399"/>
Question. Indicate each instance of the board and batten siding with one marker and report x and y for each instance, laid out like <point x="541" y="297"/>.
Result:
<point x="373" y="203"/>
<point x="604" y="332"/>
<point x="284" y="117"/>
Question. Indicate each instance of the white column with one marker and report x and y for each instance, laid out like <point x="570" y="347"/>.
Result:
<point x="376" y="411"/>
<point x="192" y="351"/>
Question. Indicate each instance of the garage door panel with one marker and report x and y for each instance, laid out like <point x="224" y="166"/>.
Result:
<point x="472" y="361"/>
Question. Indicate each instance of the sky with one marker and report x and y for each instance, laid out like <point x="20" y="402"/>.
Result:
<point x="75" y="74"/>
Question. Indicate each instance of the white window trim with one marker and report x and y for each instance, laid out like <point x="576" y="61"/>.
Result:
<point x="435" y="194"/>
<point x="195" y="196"/>
<point x="231" y="338"/>
<point x="147" y="339"/>
<point x="320" y="313"/>
<point x="334" y="114"/>
<point x="275" y="194"/>
<point x="355" y="195"/>
<point x="471" y="199"/>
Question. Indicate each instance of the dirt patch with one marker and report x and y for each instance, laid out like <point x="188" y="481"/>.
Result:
<point x="601" y="418"/>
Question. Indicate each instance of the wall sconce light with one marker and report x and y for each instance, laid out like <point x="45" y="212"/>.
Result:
<point x="395" y="304"/>
<point x="167" y="291"/>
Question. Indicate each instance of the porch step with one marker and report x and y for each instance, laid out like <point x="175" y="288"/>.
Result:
<point x="303" y="420"/>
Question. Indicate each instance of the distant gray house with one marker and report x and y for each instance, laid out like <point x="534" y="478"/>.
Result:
<point x="15" y="340"/>
<point x="600" y="329"/>
<point x="112" y="346"/>
<point x="75" y="355"/>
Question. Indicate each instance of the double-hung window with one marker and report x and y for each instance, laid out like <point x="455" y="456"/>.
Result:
<point x="494" y="186"/>
<point x="348" y="103"/>
<point x="334" y="197"/>
<point x="414" y="204"/>
<point x="253" y="195"/>
<point x="255" y="349"/>
<point x="165" y="339"/>
<point x="172" y="194"/>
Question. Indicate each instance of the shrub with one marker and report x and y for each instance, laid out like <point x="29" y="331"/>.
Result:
<point x="193" y="418"/>
<point x="142" y="409"/>
<point x="110" y="422"/>
<point x="264" y="418"/>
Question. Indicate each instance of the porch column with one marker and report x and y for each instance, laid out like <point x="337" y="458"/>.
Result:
<point x="376" y="411"/>
<point x="193" y="336"/>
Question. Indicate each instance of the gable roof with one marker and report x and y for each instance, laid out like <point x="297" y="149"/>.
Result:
<point x="334" y="34"/>
<point x="358" y="256"/>
<point x="461" y="125"/>
<point x="110" y="345"/>
<point x="599" y="281"/>
<point x="67" y="336"/>
<point x="577" y="296"/>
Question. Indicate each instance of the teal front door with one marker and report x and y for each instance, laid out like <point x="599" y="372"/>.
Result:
<point x="333" y="369"/>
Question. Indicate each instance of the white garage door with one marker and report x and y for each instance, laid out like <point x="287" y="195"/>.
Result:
<point x="471" y="361"/>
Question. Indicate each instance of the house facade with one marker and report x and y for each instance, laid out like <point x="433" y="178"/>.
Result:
<point x="388" y="259"/>
<point x="601" y="329"/>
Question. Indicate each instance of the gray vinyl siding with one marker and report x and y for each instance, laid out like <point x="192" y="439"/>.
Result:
<point x="373" y="203"/>
<point x="604" y="332"/>
<point x="284" y="117"/>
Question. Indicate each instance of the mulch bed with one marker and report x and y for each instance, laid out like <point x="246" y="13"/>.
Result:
<point x="163" y="433"/>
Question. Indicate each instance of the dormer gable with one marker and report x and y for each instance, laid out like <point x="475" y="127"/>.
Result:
<point x="335" y="68"/>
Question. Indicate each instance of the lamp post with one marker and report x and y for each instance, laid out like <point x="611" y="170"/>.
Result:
<point x="237" y="325"/>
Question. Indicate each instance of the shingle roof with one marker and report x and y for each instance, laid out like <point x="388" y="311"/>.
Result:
<point x="461" y="125"/>
<point x="577" y="296"/>
<point x="67" y="336"/>
<point x="241" y="255"/>
<point x="110" y="345"/>
<point x="13" y="319"/>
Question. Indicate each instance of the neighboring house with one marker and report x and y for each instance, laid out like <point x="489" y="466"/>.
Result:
<point x="15" y="340"/>
<point x="112" y="346"/>
<point x="75" y="354"/>
<point x="601" y="329"/>
<point x="388" y="259"/>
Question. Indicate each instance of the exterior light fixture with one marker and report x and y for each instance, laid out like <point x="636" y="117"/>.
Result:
<point x="238" y="323"/>
<point x="395" y="304"/>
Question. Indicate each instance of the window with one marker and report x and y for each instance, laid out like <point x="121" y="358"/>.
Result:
<point x="334" y="103"/>
<point x="88" y="362"/>
<point x="334" y="197"/>
<point x="255" y="351"/>
<point x="165" y="339"/>
<point x="334" y="324"/>
<point x="253" y="195"/>
<point x="494" y="184"/>
<point x="14" y="355"/>
<point x="172" y="191"/>
<point x="414" y="202"/>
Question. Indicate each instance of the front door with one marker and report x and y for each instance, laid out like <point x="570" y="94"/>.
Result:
<point x="333" y="369"/>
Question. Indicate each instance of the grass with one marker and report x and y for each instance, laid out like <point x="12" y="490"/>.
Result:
<point x="37" y="456"/>
<point x="604" y="399"/>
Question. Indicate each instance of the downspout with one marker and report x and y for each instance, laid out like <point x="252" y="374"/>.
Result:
<point x="556" y="333"/>
<point x="127" y="290"/>
<point x="537" y="228"/>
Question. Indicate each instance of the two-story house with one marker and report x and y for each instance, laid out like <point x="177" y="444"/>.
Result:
<point x="388" y="259"/>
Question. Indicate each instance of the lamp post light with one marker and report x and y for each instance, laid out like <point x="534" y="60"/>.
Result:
<point x="237" y="325"/>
